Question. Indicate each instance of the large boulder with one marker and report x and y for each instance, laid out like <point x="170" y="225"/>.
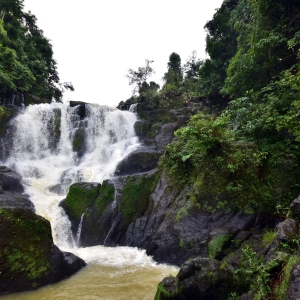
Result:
<point x="28" y="257"/>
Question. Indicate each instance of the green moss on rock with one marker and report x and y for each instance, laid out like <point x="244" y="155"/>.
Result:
<point x="281" y="289"/>
<point x="135" y="199"/>
<point x="106" y="195"/>
<point x="79" y="140"/>
<point x="25" y="246"/>
<point x="5" y="114"/>
<point x="80" y="197"/>
<point x="216" y="245"/>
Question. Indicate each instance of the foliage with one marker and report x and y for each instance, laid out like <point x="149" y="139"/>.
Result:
<point x="26" y="55"/>
<point x="257" y="271"/>
<point x="281" y="289"/>
<point x="206" y="154"/>
<point x="137" y="78"/>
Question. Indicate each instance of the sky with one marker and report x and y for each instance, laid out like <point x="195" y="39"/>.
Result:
<point x="95" y="42"/>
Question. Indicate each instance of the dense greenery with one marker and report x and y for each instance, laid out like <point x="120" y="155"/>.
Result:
<point x="249" y="152"/>
<point x="26" y="55"/>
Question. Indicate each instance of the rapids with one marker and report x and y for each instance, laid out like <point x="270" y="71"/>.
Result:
<point x="43" y="152"/>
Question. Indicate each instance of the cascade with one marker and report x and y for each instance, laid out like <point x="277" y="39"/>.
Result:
<point x="79" y="230"/>
<point x="55" y="145"/>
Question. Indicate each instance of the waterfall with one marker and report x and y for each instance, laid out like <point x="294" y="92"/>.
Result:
<point x="55" y="145"/>
<point x="79" y="230"/>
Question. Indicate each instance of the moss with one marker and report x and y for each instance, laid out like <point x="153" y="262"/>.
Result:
<point x="5" y="114"/>
<point x="80" y="197"/>
<point x="216" y="245"/>
<point x="79" y="139"/>
<point x="57" y="123"/>
<point x="163" y="294"/>
<point x="135" y="199"/>
<point x="181" y="243"/>
<point x="281" y="289"/>
<point x="268" y="237"/>
<point x="28" y="252"/>
<point x="106" y="195"/>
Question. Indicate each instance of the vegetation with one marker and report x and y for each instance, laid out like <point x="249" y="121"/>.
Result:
<point x="26" y="56"/>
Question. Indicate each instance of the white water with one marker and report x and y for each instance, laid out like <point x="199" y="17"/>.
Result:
<point x="110" y="137"/>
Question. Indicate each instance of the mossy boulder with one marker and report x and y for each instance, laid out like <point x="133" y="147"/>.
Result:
<point x="81" y="195"/>
<point x="199" y="278"/>
<point x="28" y="257"/>
<point x="87" y="203"/>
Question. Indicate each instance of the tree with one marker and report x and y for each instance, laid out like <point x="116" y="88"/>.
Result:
<point x="136" y="78"/>
<point x="26" y="55"/>
<point x="174" y="74"/>
<point x="221" y="45"/>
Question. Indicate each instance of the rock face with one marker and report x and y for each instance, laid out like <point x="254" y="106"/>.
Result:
<point x="246" y="272"/>
<point x="142" y="211"/>
<point x="28" y="257"/>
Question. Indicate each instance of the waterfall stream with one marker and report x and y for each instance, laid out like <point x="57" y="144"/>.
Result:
<point x="55" y="145"/>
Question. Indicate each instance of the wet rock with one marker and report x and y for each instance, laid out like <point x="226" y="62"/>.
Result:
<point x="1" y="187"/>
<point x="199" y="278"/>
<point x="139" y="161"/>
<point x="141" y="127"/>
<point x="11" y="180"/>
<point x="79" y="142"/>
<point x="29" y="259"/>
<point x="81" y="195"/>
<point x="80" y="110"/>
<point x="9" y="199"/>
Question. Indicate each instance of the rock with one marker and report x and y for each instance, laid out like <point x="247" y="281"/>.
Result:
<point x="139" y="161"/>
<point x="79" y="142"/>
<point x="141" y="127"/>
<point x="80" y="108"/>
<point x="11" y="180"/>
<point x="81" y="195"/>
<point x="1" y="187"/>
<point x="287" y="230"/>
<point x="199" y="278"/>
<point x="9" y="199"/>
<point x="293" y="290"/>
<point x="295" y="208"/>
<point x="29" y="259"/>
<point x="166" y="135"/>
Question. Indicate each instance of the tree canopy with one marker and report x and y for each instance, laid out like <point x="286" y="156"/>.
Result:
<point x="26" y="55"/>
